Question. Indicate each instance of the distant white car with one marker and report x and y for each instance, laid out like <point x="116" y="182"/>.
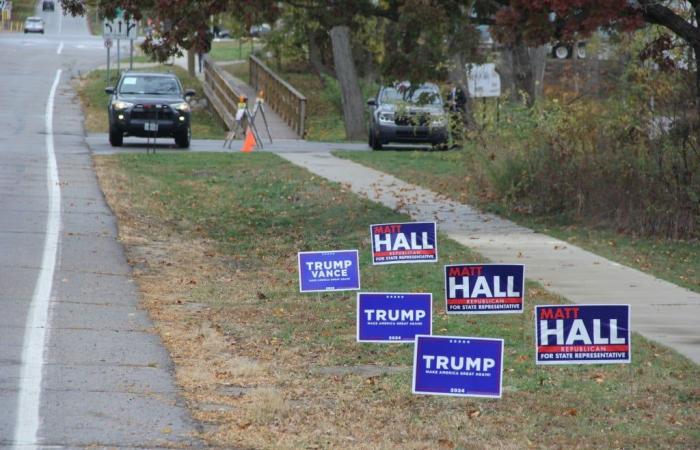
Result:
<point x="34" y="25"/>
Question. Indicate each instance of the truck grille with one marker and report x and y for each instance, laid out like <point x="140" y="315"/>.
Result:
<point x="151" y="112"/>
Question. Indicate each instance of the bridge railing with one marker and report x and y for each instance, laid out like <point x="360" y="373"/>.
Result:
<point x="286" y="101"/>
<point x="219" y="87"/>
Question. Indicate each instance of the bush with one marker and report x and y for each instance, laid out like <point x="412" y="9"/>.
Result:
<point x="595" y="161"/>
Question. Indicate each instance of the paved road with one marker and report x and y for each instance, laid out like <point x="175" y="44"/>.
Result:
<point x="661" y="311"/>
<point x="79" y="363"/>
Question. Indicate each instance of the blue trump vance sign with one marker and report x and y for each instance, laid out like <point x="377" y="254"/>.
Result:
<point x="329" y="271"/>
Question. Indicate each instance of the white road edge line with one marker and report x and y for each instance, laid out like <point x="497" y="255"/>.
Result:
<point x="27" y="421"/>
<point x="60" y="48"/>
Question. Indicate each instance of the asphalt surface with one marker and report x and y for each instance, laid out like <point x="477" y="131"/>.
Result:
<point x="80" y="365"/>
<point x="99" y="145"/>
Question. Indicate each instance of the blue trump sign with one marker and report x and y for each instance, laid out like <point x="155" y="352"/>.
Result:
<point x="394" y="243"/>
<point x="329" y="271"/>
<point x="582" y="334"/>
<point x="484" y="288"/>
<point x="393" y="317"/>
<point x="458" y="366"/>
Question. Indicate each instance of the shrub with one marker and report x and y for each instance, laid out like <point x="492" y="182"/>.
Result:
<point x="615" y="162"/>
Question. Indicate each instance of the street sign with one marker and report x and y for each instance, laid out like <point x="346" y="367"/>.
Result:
<point x="108" y="43"/>
<point x="483" y="80"/>
<point x="120" y="28"/>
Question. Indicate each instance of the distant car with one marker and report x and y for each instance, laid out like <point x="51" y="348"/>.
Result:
<point x="402" y="113"/>
<point x="47" y="6"/>
<point x="34" y="25"/>
<point x="149" y="105"/>
<point x="221" y="33"/>
<point x="260" y="30"/>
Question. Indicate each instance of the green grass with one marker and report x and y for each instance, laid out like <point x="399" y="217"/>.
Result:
<point x="449" y="173"/>
<point x="21" y="9"/>
<point x="324" y="114"/>
<point x="260" y="211"/>
<point x="231" y="50"/>
<point x="240" y="71"/>
<point x="205" y="123"/>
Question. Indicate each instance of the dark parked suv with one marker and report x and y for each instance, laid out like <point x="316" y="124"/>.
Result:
<point x="149" y="105"/>
<point x="405" y="113"/>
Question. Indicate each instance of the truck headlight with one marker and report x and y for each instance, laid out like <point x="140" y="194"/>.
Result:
<point x="120" y="105"/>
<point x="182" y="107"/>
<point x="386" y="117"/>
<point x="438" y="120"/>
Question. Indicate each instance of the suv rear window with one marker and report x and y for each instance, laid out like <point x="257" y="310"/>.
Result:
<point x="149" y="85"/>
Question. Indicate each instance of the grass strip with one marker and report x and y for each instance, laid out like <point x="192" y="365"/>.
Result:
<point x="450" y="174"/>
<point x="213" y="240"/>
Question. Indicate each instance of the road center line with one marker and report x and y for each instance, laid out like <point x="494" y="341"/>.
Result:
<point x="27" y="422"/>
<point x="60" y="48"/>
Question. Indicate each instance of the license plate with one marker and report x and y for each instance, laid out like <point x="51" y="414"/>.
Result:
<point x="150" y="126"/>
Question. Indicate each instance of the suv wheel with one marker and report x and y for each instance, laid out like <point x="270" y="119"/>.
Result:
<point x="182" y="139"/>
<point x="374" y="142"/>
<point x="116" y="138"/>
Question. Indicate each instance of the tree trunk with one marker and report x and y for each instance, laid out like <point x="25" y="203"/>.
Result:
<point x="190" y="62"/>
<point x="696" y="119"/>
<point x="316" y="58"/>
<point x="458" y="76"/>
<point x="353" y="104"/>
<point x="527" y="70"/>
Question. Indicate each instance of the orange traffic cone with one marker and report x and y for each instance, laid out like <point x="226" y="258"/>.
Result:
<point x="249" y="142"/>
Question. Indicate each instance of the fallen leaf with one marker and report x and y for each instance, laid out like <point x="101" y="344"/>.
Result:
<point x="571" y="412"/>
<point x="446" y="443"/>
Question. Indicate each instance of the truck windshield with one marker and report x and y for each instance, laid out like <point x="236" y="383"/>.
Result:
<point x="149" y="85"/>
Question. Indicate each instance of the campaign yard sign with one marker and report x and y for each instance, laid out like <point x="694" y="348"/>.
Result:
<point x="484" y="288"/>
<point x="458" y="366"/>
<point x="329" y="271"/>
<point x="582" y="334"/>
<point x="395" y="243"/>
<point x="393" y="317"/>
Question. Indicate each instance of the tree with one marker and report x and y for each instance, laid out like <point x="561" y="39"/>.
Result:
<point x="544" y="20"/>
<point x="431" y="40"/>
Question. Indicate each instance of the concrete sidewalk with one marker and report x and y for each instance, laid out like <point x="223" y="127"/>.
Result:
<point x="661" y="311"/>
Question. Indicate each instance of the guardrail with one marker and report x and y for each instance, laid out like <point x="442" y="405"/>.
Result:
<point x="11" y="25"/>
<point x="219" y="88"/>
<point x="286" y="101"/>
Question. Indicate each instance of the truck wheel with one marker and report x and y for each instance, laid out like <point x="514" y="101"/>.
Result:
<point x="183" y="138"/>
<point x="116" y="138"/>
<point x="561" y="51"/>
